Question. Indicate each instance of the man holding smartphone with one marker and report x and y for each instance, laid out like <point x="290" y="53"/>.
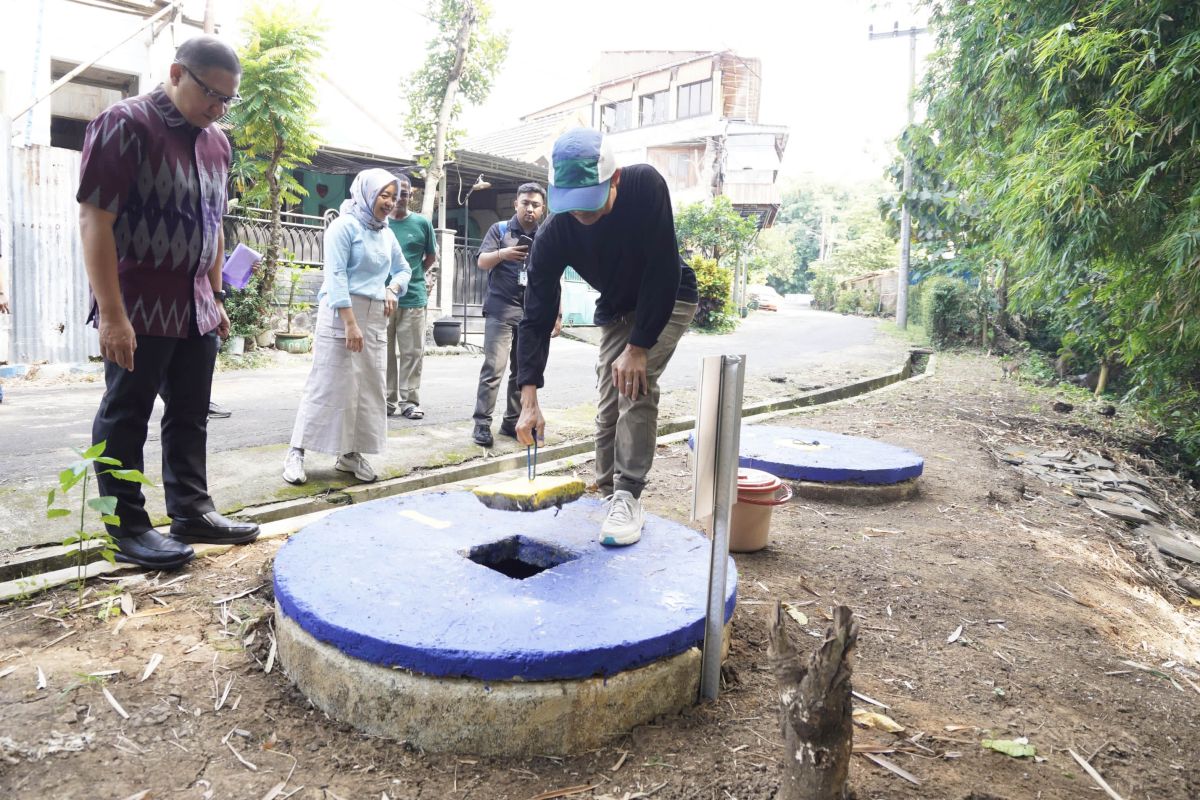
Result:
<point x="503" y="255"/>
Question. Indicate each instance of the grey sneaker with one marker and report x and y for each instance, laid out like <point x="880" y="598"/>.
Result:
<point x="355" y="463"/>
<point x="293" y="467"/>
<point x="623" y="526"/>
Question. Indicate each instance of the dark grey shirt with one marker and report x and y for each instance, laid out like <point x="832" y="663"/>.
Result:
<point x="505" y="299"/>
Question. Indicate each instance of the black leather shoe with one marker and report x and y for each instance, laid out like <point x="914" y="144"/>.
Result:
<point x="152" y="550"/>
<point x="483" y="436"/>
<point x="212" y="528"/>
<point x="508" y="430"/>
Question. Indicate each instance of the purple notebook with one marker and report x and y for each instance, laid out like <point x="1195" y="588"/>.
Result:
<point x="239" y="265"/>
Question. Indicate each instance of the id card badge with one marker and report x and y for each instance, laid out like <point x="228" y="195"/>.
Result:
<point x="523" y="278"/>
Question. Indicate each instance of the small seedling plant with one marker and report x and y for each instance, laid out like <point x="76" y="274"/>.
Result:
<point x="105" y="506"/>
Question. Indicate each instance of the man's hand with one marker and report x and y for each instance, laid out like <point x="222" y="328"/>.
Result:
<point x="531" y="422"/>
<point x="4" y="303"/>
<point x="389" y="303"/>
<point x="557" y="327"/>
<point x="354" y="337"/>
<point x="222" y="321"/>
<point x="515" y="253"/>
<point x="629" y="372"/>
<point x="118" y="341"/>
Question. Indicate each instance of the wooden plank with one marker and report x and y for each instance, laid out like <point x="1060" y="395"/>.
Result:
<point x="24" y="587"/>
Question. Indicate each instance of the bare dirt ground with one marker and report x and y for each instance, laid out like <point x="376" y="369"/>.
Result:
<point x="1049" y="602"/>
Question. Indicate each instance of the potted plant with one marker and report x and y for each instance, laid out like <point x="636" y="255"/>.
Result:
<point x="288" y="340"/>
<point x="247" y="310"/>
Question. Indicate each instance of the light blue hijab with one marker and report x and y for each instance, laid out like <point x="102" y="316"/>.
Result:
<point x="363" y="193"/>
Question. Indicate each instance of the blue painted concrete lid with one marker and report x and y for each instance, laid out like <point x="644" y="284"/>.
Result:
<point x="805" y="454"/>
<point x="405" y="582"/>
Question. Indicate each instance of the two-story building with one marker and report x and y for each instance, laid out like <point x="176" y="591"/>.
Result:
<point x="693" y="114"/>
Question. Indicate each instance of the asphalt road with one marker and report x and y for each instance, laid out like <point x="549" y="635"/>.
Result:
<point x="41" y="420"/>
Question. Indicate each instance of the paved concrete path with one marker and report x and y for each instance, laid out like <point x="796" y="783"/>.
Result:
<point x="42" y="419"/>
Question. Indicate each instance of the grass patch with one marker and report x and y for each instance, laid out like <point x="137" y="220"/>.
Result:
<point x="914" y="333"/>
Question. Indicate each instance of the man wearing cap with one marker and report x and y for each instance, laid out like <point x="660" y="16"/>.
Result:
<point x="615" y="227"/>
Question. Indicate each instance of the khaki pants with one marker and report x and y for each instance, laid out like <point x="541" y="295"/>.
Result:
<point x="627" y="430"/>
<point x="405" y="354"/>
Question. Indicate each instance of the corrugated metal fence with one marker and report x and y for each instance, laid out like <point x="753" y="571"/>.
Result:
<point x="49" y="293"/>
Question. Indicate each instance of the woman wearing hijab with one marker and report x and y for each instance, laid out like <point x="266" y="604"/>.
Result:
<point x="343" y="412"/>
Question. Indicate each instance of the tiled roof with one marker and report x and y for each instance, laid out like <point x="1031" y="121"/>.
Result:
<point x="528" y="142"/>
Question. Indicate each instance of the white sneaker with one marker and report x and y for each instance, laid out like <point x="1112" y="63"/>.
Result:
<point x="293" y="467"/>
<point x="623" y="525"/>
<point x="354" y="462"/>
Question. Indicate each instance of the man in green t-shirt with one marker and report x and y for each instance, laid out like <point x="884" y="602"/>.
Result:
<point x="406" y="326"/>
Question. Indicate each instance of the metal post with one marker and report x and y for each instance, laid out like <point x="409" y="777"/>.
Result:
<point x="905" y="216"/>
<point x="729" y="424"/>
<point x="466" y="254"/>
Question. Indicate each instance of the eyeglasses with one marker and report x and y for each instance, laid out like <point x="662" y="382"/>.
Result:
<point x="212" y="94"/>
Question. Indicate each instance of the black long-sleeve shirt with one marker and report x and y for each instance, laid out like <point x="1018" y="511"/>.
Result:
<point x="629" y="255"/>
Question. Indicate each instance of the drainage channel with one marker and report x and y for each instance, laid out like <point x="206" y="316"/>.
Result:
<point x="46" y="567"/>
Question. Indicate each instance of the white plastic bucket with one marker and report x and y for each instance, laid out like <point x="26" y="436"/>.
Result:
<point x="758" y="493"/>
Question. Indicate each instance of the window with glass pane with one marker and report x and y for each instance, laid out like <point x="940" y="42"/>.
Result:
<point x="695" y="99"/>
<point x="654" y="108"/>
<point x="617" y="116"/>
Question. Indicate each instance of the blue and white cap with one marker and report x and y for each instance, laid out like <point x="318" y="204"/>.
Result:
<point x="582" y="166"/>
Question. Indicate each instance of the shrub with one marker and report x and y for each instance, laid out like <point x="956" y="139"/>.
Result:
<point x="848" y="301"/>
<point x="824" y="291"/>
<point x="715" y="311"/>
<point x="916" y="306"/>
<point x="248" y="308"/>
<point x="949" y="311"/>
<point x="868" y="302"/>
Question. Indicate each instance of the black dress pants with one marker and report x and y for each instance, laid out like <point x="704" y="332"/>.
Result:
<point x="180" y="371"/>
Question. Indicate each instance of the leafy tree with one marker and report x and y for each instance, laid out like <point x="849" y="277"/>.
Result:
<point x="462" y="59"/>
<point x="865" y="245"/>
<point x="714" y="228"/>
<point x="1077" y="127"/>
<point x="800" y="217"/>
<point x="274" y="125"/>
<point x="773" y="262"/>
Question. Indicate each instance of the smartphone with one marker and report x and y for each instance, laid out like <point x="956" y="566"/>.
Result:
<point x="524" y="241"/>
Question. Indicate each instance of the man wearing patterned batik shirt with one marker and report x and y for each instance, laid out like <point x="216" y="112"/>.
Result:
<point x="151" y="195"/>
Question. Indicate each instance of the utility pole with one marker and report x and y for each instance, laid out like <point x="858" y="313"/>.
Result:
<point x="905" y="217"/>
<point x="210" y="16"/>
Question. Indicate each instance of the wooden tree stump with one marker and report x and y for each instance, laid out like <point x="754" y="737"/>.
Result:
<point x="815" y="709"/>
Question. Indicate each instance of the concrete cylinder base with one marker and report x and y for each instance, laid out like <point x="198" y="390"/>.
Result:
<point x="856" y="494"/>
<point x="463" y="715"/>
